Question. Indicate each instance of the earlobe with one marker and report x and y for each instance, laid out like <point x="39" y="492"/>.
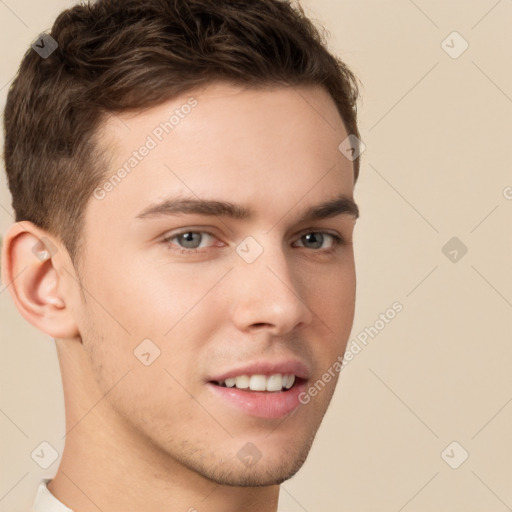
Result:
<point x="30" y="259"/>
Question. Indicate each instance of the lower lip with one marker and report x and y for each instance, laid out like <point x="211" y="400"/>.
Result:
<point x="263" y="404"/>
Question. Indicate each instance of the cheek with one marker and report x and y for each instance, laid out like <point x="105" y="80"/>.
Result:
<point x="331" y="296"/>
<point x="148" y="298"/>
<point x="142" y="373"/>
<point x="163" y="310"/>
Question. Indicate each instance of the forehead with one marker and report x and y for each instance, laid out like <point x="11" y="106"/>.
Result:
<point x="255" y="144"/>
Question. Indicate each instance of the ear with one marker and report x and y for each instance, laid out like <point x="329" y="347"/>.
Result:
<point x="30" y="260"/>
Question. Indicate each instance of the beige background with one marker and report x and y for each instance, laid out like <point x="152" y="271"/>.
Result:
<point x="437" y="165"/>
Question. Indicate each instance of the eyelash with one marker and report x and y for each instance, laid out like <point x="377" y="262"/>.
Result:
<point x="337" y="241"/>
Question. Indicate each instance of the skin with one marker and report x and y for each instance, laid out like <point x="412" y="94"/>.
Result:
<point x="154" y="437"/>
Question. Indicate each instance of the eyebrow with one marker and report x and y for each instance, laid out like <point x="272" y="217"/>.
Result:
<point x="340" y="205"/>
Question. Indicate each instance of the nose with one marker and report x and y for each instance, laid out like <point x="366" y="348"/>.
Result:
<point x="267" y="293"/>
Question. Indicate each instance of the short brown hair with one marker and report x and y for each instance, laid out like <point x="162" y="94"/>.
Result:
<point x="121" y="55"/>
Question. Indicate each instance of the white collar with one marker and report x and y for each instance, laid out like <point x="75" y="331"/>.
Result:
<point x="45" y="501"/>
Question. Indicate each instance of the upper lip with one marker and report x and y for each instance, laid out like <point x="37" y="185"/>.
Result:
<point x="265" y="367"/>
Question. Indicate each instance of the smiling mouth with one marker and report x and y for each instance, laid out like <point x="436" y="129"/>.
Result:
<point x="269" y="396"/>
<point x="276" y="383"/>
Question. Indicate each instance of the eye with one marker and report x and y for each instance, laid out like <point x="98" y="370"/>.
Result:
<point x="317" y="238"/>
<point x="188" y="241"/>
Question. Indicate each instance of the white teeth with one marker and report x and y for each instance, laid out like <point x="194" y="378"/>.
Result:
<point x="242" y="382"/>
<point x="230" y="382"/>
<point x="258" y="383"/>
<point x="275" y="382"/>
<point x="289" y="382"/>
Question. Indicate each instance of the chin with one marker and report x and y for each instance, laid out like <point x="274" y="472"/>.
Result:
<point x="262" y="476"/>
<point x="269" y="469"/>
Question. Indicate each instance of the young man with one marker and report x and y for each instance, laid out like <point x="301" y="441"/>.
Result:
<point x="182" y="173"/>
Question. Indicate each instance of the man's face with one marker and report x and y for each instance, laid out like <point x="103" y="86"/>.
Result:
<point x="215" y="293"/>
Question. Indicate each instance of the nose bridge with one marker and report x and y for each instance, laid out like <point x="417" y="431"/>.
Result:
<point x="268" y="292"/>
